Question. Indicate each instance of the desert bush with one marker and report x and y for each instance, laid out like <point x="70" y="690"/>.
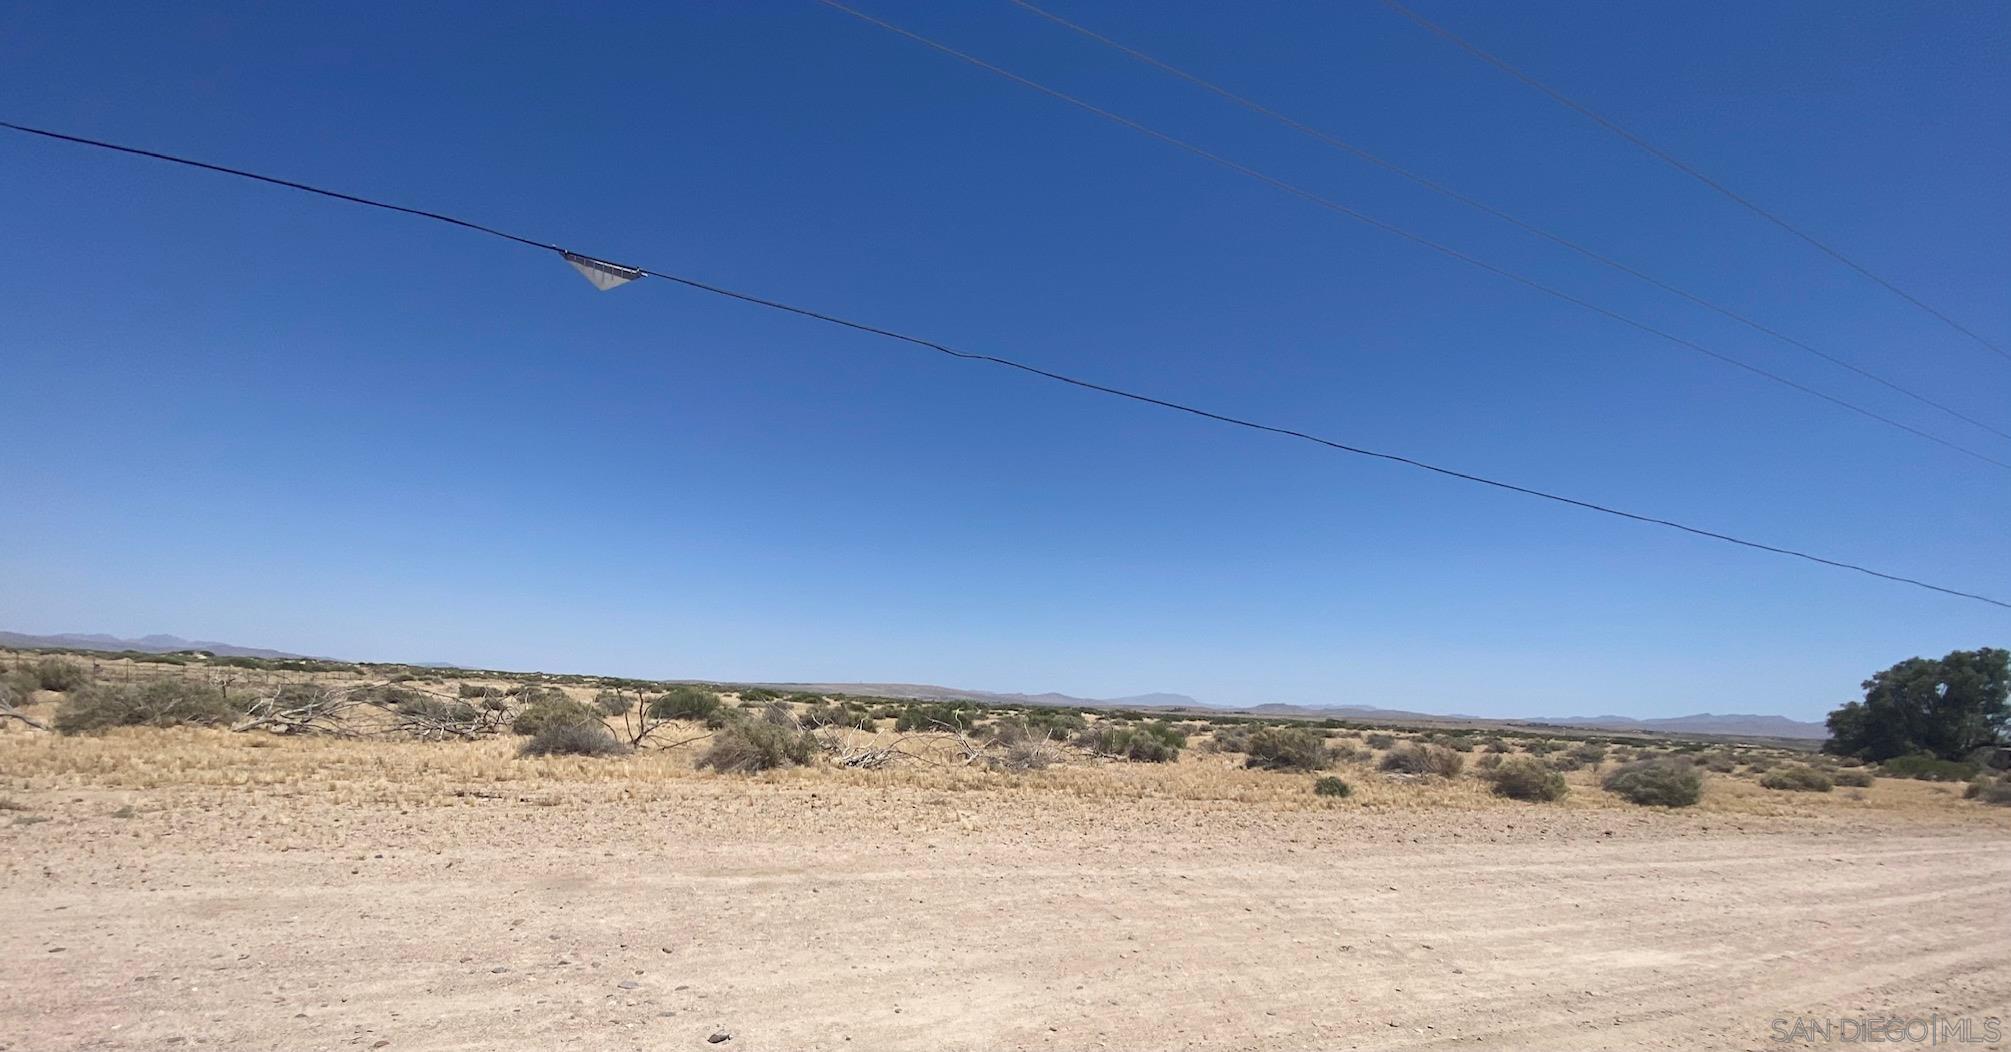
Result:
<point x="572" y="739"/>
<point x="614" y="702"/>
<point x="1032" y="752"/>
<point x="1115" y="738"/>
<point x="1590" y="753"/>
<point x="532" y="693"/>
<point x="1424" y="759"/>
<point x="1989" y="791"/>
<point x="1288" y="749"/>
<point x="1660" y="782"/>
<point x="61" y="674"/>
<point x="1056" y="724"/>
<point x="759" y="694"/>
<point x="838" y="714"/>
<point x="155" y="703"/>
<point x="938" y="716"/>
<point x="469" y="691"/>
<point x="1928" y="769"/>
<point x="1331" y="786"/>
<point x="750" y="746"/>
<point x="1489" y="761"/>
<point x="1526" y="778"/>
<point x="440" y="710"/>
<point x="1498" y="745"/>
<point x="688" y="703"/>
<point x="1854" y="777"/>
<point x="1542" y="746"/>
<point x="1381" y="741"/>
<point x="1231" y="738"/>
<point x="1798" y="779"/>
<point x="540" y="716"/>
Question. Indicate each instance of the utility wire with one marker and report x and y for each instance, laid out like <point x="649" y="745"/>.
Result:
<point x="1409" y="235"/>
<point x="1475" y="203"/>
<point x="1009" y="363"/>
<point x="1687" y="169"/>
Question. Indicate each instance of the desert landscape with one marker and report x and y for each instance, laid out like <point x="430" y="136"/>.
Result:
<point x="922" y="883"/>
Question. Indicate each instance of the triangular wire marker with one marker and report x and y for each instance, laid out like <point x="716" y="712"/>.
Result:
<point x="603" y="274"/>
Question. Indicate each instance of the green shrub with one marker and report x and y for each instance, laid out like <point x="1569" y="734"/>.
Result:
<point x="1114" y="738"/>
<point x="1381" y="741"/>
<point x="1231" y="738"/>
<point x="542" y="715"/>
<point x="1331" y="786"/>
<point x="155" y="703"/>
<point x="1929" y="769"/>
<point x="688" y="703"/>
<point x="1526" y="778"/>
<point x="1424" y="759"/>
<point x="1542" y="746"/>
<point x="572" y="739"/>
<point x="750" y="746"/>
<point x="532" y="693"/>
<point x="1798" y="779"/>
<point x="60" y="674"/>
<point x="614" y="702"/>
<point x="938" y="716"/>
<point x="1589" y="753"/>
<point x="1288" y="749"/>
<point x="1854" y="777"/>
<point x="1659" y="782"/>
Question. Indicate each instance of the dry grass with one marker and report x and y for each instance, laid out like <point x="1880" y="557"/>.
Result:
<point x="425" y="774"/>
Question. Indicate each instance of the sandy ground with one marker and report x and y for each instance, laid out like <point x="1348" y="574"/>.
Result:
<point x="813" y="913"/>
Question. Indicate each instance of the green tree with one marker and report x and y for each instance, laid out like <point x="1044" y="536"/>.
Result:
<point x="1945" y="708"/>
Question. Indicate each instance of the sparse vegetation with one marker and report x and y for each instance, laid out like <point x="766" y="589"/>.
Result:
<point x="1526" y="778"/>
<point x="1331" y="786"/>
<point x="1798" y="779"/>
<point x="1658" y="782"/>
<point x="1853" y="777"/>
<point x="1381" y="741"/>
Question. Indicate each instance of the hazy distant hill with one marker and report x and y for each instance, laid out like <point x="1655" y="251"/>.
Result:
<point x="1742" y="724"/>
<point x="931" y="692"/>
<point x="154" y="644"/>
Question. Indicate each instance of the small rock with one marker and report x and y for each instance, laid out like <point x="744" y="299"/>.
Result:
<point x="719" y="1036"/>
<point x="499" y="969"/>
<point x="628" y="984"/>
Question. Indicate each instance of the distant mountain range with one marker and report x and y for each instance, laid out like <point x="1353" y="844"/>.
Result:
<point x="1736" y="724"/>
<point x="1732" y="724"/>
<point x="930" y="692"/>
<point x="155" y="644"/>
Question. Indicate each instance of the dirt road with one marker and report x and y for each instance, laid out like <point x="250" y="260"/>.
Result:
<point x="840" y="917"/>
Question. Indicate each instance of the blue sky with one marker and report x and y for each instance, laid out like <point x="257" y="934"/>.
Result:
<point x="238" y="413"/>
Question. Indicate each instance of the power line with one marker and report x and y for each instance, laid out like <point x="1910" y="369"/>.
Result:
<point x="1687" y="169"/>
<point x="1407" y="234"/>
<point x="1008" y="363"/>
<point x="1472" y="202"/>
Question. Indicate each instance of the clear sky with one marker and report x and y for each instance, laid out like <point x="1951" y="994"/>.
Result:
<point x="231" y="412"/>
